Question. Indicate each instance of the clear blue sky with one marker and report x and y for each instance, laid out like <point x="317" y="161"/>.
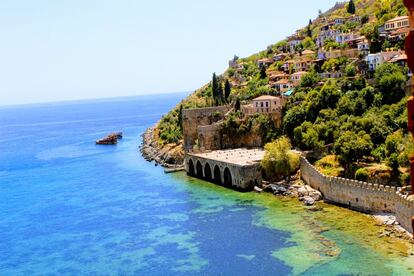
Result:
<point x="54" y="50"/>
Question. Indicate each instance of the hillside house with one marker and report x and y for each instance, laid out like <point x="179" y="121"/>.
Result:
<point x="294" y="41"/>
<point x="354" y="19"/>
<point x="277" y="76"/>
<point x="331" y="75"/>
<point x="339" y="21"/>
<point x="287" y="66"/>
<point x="283" y="85"/>
<point x="325" y="35"/>
<point x="375" y="60"/>
<point x="349" y="53"/>
<point x="398" y="35"/>
<point x="401" y="60"/>
<point x="279" y="57"/>
<point x="397" y="23"/>
<point x="264" y="104"/>
<point x="303" y="64"/>
<point x="308" y="53"/>
<point x="264" y="62"/>
<point x="363" y="47"/>
<point x="297" y="77"/>
<point x="345" y="37"/>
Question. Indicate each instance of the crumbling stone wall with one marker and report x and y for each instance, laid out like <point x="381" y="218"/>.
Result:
<point x="194" y="118"/>
<point x="359" y="195"/>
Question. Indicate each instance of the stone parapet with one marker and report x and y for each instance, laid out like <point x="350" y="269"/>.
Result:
<point x="363" y="196"/>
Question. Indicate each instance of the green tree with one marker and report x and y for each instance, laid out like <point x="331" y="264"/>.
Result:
<point x="215" y="87"/>
<point x="279" y="160"/>
<point x="180" y="117"/>
<point x="386" y="45"/>
<point x="364" y="19"/>
<point x="227" y="90"/>
<point x="309" y="79"/>
<point x="362" y="174"/>
<point x="263" y="74"/>
<point x="350" y="70"/>
<point x="390" y="81"/>
<point x="237" y="105"/>
<point x="309" y="29"/>
<point x="352" y="147"/>
<point x="351" y="7"/>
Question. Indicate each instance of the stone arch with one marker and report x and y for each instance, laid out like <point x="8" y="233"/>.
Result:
<point x="199" y="169"/>
<point x="228" y="179"/>
<point x="191" y="171"/>
<point x="207" y="172"/>
<point x="217" y="175"/>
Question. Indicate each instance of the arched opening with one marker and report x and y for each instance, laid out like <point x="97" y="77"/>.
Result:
<point x="217" y="175"/>
<point x="190" y="168"/>
<point x="228" y="181"/>
<point x="199" y="170"/>
<point x="207" y="172"/>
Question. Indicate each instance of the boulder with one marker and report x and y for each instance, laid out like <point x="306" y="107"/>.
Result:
<point x="308" y="201"/>
<point x="316" y="195"/>
<point x="257" y="189"/>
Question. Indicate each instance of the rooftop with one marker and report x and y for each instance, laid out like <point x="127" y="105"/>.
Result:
<point x="397" y="58"/>
<point x="264" y="98"/>
<point x="300" y="73"/>
<point x="242" y="157"/>
<point x="397" y="19"/>
<point x="308" y="52"/>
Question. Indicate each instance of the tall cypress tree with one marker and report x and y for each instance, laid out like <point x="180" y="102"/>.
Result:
<point x="263" y="74"/>
<point x="180" y="119"/>
<point x="351" y="7"/>
<point x="220" y="93"/>
<point x="214" y="86"/>
<point x="227" y="90"/>
<point x="309" y="30"/>
<point x="237" y="105"/>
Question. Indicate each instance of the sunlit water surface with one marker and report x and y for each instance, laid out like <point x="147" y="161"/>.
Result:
<point x="70" y="207"/>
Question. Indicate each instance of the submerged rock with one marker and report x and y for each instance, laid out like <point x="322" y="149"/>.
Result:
<point x="309" y="201"/>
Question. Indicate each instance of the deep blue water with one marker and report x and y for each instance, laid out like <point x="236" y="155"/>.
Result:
<point x="68" y="206"/>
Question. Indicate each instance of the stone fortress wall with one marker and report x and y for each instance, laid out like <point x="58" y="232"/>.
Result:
<point x="199" y="117"/>
<point x="362" y="196"/>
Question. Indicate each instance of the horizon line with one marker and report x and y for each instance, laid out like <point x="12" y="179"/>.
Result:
<point x="93" y="99"/>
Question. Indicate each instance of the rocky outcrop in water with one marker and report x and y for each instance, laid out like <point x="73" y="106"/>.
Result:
<point x="169" y="155"/>
<point x="296" y="189"/>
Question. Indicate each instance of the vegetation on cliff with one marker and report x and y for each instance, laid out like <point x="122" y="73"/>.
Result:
<point x="355" y="120"/>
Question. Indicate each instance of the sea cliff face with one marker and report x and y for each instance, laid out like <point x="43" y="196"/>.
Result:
<point x="166" y="155"/>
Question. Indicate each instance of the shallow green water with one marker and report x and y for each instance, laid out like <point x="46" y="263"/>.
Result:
<point x="333" y="241"/>
<point x="69" y="207"/>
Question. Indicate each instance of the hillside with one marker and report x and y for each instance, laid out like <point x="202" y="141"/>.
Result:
<point x="344" y="76"/>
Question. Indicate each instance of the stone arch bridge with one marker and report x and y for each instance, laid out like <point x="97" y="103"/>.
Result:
<point x="237" y="169"/>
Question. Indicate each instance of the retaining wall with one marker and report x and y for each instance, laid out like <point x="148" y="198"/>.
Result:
<point x="360" y="195"/>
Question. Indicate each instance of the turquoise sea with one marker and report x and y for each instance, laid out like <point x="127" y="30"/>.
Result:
<point x="70" y="207"/>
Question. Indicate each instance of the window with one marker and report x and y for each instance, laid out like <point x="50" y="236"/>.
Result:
<point x="261" y="104"/>
<point x="267" y="104"/>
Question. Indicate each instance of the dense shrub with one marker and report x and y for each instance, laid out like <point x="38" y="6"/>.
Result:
<point x="362" y="174"/>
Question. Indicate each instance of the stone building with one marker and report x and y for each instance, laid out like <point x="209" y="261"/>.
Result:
<point x="202" y="127"/>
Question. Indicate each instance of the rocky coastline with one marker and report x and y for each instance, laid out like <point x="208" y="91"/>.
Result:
<point x="170" y="156"/>
<point x="309" y="197"/>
